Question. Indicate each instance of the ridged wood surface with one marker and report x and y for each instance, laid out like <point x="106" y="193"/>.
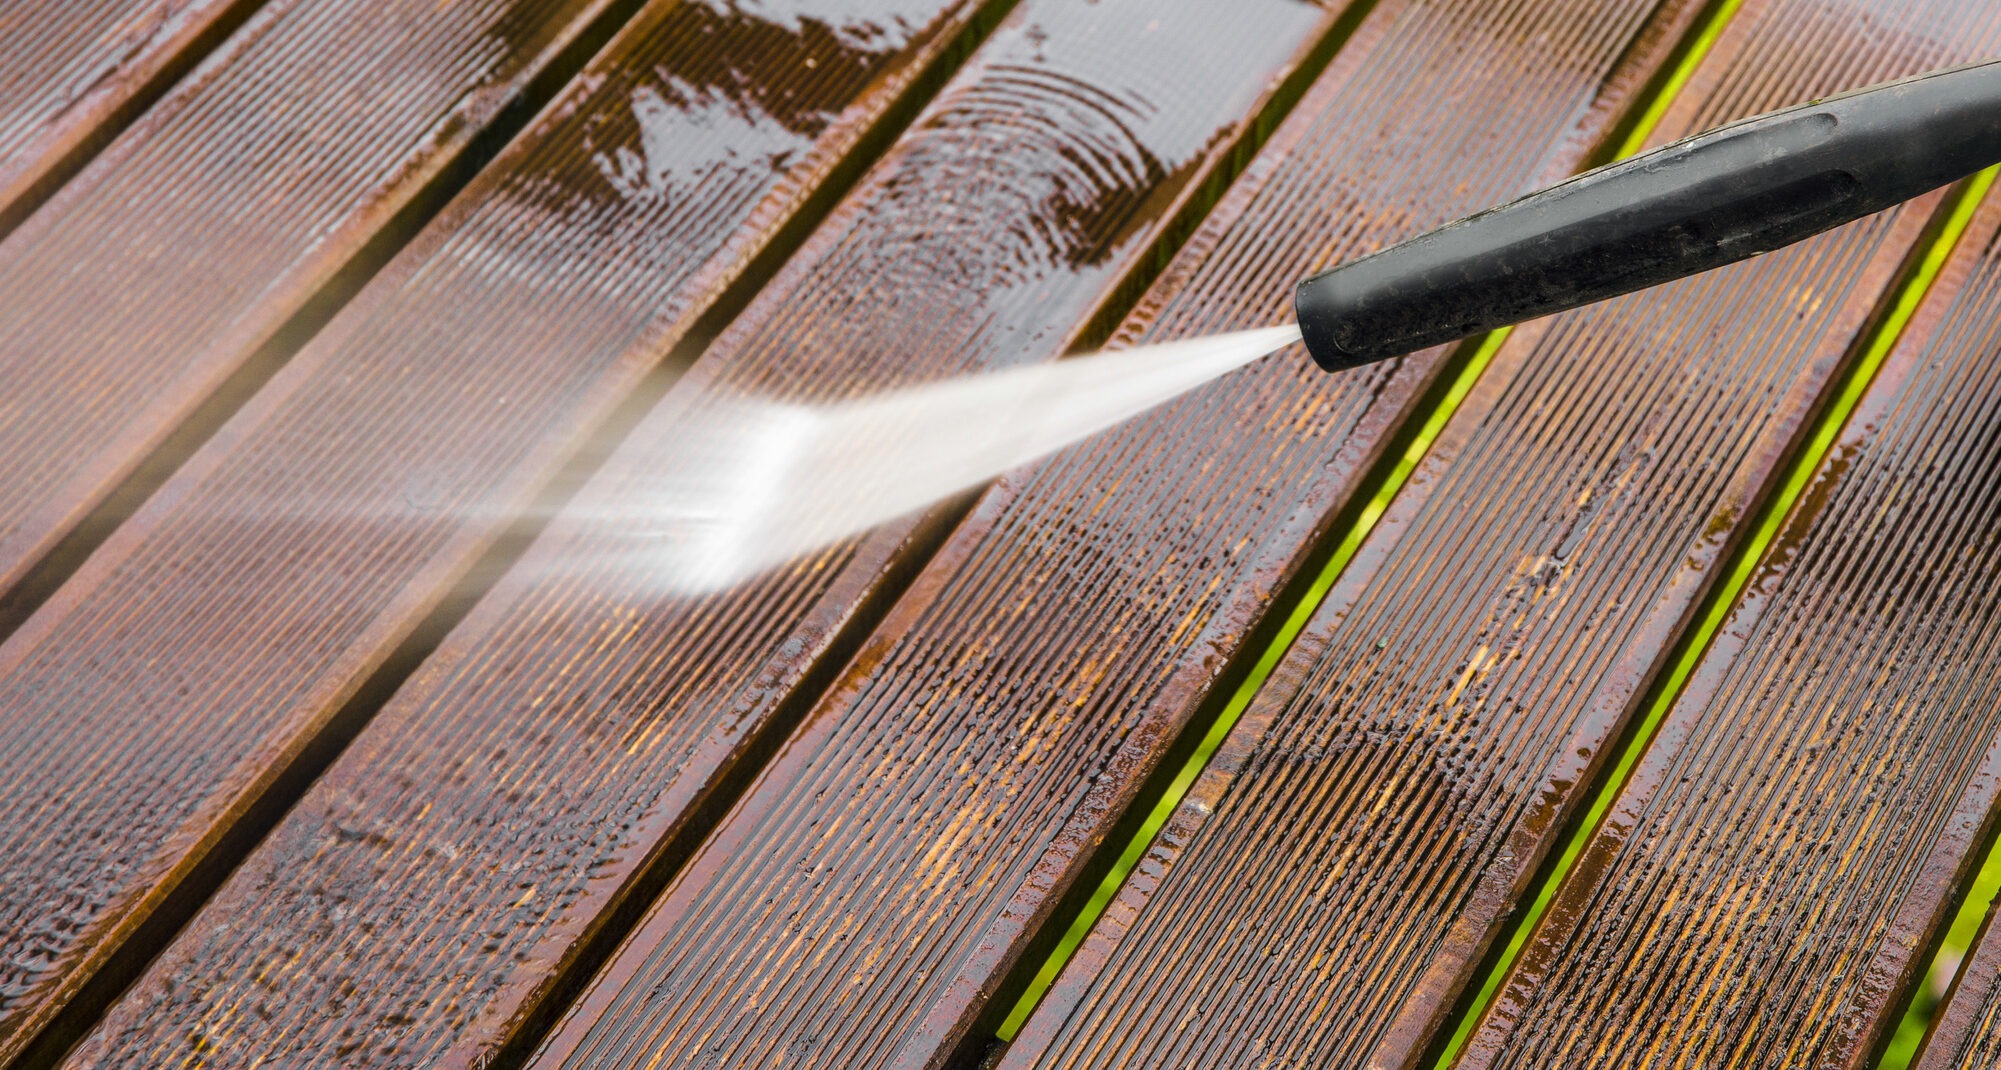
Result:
<point x="161" y="690"/>
<point x="189" y="243"/>
<point x="72" y="72"/>
<point x="528" y="776"/>
<point x="1329" y="884"/>
<point x="1768" y="882"/>
<point x="861" y="903"/>
<point x="1966" y="1031"/>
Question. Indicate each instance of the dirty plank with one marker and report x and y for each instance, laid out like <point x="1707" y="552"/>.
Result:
<point x="537" y="773"/>
<point x="171" y="695"/>
<point x="1766" y="886"/>
<point x="1330" y="883"/>
<point x="870" y="893"/>
<point x="205" y="243"/>
<point x="74" y="72"/>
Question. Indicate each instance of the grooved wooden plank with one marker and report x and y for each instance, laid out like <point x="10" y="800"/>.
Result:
<point x="1966" y="1033"/>
<point x="73" y="71"/>
<point x="1767" y="882"/>
<point x="862" y="903"/>
<point x="181" y="255"/>
<point x="217" y="637"/>
<point x="580" y="717"/>
<point x="1331" y="882"/>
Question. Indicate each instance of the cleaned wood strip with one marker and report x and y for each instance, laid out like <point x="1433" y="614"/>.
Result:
<point x="525" y="785"/>
<point x="74" y="72"/>
<point x="204" y="244"/>
<point x="878" y="882"/>
<point x="218" y="638"/>
<point x="1330" y="883"/>
<point x="1767" y="883"/>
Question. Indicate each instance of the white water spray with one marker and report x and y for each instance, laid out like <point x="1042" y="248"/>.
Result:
<point x="749" y="484"/>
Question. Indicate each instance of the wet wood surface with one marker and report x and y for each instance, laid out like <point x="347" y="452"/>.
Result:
<point x="865" y="901"/>
<point x="346" y="717"/>
<point x="291" y="176"/>
<point x="1967" y="1032"/>
<point x="1774" y="871"/>
<point x="217" y="637"/>
<point x="74" y="72"/>
<point x="1328" y="887"/>
<point x="582" y="721"/>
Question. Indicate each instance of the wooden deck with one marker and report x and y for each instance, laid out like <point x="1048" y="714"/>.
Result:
<point x="1624" y="689"/>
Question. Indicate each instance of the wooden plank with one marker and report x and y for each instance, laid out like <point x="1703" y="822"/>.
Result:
<point x="1331" y="882"/>
<point x="165" y="704"/>
<point x="74" y="72"/>
<point x="539" y="772"/>
<point x="1966" y="1033"/>
<point x="205" y="244"/>
<point x="880" y="879"/>
<point x="1766" y="886"/>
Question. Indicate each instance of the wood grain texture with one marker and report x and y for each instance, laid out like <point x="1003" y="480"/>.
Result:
<point x="860" y="905"/>
<point x="1327" y="888"/>
<point x="447" y="873"/>
<point x="215" y="637"/>
<point x="1767" y="885"/>
<point x="1966" y="1032"/>
<point x="74" y="72"/>
<point x="182" y="255"/>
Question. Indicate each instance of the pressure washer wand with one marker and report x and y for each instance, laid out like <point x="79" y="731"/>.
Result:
<point x="1702" y="202"/>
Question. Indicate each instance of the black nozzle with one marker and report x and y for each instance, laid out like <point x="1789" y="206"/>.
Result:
<point x="1702" y="202"/>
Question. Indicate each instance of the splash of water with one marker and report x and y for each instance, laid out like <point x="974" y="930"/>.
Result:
<point x="749" y="483"/>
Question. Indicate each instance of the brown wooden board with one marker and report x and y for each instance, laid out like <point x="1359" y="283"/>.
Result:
<point x="221" y="640"/>
<point x="440" y="882"/>
<point x="1766" y="886"/>
<point x="73" y="72"/>
<point x="878" y="881"/>
<point x="205" y="243"/>
<point x="1331" y="882"/>
<point x="1966" y="1032"/>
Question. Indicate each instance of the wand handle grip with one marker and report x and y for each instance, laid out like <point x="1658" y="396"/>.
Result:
<point x="1702" y="202"/>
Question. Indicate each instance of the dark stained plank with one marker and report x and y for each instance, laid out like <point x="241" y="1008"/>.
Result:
<point x="164" y="695"/>
<point x="862" y="903"/>
<point x="73" y="72"/>
<point x="1966" y="1034"/>
<point x="525" y="780"/>
<point x="1766" y="886"/>
<point x="198" y="246"/>
<point x="1327" y="888"/>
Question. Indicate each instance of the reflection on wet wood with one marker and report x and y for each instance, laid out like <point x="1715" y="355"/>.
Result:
<point x="196" y="251"/>
<point x="949" y="758"/>
<point x="74" y="72"/>
<point x="1332" y="881"/>
<point x="158" y="701"/>
<point x="880" y="879"/>
<point x="578" y="723"/>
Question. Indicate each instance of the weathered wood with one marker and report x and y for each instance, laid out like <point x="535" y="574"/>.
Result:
<point x="1766" y="886"/>
<point x="74" y="72"/>
<point x="472" y="851"/>
<point x="171" y="694"/>
<point x="200" y="248"/>
<point x="880" y="879"/>
<point x="1331" y="882"/>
